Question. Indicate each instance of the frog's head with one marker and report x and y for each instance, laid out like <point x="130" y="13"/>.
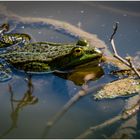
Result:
<point x="83" y="54"/>
<point x="80" y="54"/>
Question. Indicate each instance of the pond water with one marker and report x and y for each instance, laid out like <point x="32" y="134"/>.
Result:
<point x="51" y="92"/>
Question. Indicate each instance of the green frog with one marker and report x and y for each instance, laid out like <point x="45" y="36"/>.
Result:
<point x="8" y="39"/>
<point x="47" y="57"/>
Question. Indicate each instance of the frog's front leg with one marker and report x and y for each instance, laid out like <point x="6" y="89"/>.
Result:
<point x="12" y="39"/>
<point x="16" y="38"/>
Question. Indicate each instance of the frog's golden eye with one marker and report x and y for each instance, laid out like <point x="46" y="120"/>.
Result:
<point x="78" y="51"/>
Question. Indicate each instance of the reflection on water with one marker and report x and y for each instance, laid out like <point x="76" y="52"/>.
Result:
<point x="78" y="74"/>
<point x="18" y="105"/>
<point x="29" y="105"/>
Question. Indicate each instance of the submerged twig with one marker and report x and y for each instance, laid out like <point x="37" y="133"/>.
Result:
<point x="126" y="114"/>
<point x="92" y="129"/>
<point x="126" y="130"/>
<point x="65" y="108"/>
<point x="83" y="92"/>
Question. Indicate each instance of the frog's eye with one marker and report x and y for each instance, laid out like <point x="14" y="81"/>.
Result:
<point x="78" y="51"/>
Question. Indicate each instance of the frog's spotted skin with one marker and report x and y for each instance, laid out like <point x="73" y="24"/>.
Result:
<point x="47" y="57"/>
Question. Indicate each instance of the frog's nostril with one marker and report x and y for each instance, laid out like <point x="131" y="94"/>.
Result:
<point x="91" y="51"/>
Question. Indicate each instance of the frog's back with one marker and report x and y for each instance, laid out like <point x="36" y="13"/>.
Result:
<point x="40" y="51"/>
<point x="37" y="57"/>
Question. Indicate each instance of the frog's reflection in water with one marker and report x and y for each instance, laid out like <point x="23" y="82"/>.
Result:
<point x="18" y="105"/>
<point x="80" y="76"/>
<point x="77" y="76"/>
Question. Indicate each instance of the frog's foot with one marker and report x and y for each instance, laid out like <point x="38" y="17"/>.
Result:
<point x="5" y="72"/>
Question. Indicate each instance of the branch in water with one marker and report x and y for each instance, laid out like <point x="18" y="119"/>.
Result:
<point x="126" y="114"/>
<point x="127" y="62"/>
<point x="83" y="92"/>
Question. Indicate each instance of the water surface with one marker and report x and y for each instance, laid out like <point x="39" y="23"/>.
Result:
<point x="52" y="92"/>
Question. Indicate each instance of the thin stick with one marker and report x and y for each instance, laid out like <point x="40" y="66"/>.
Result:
<point x="116" y="54"/>
<point x="126" y="62"/>
<point x="115" y="30"/>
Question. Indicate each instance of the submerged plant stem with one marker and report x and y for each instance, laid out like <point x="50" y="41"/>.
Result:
<point x="91" y="130"/>
<point x="126" y="114"/>
<point x="65" y="108"/>
<point x="83" y="92"/>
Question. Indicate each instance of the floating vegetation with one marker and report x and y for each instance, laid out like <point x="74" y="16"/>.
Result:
<point x="122" y="87"/>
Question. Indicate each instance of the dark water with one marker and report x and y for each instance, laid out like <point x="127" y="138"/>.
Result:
<point x="52" y="92"/>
